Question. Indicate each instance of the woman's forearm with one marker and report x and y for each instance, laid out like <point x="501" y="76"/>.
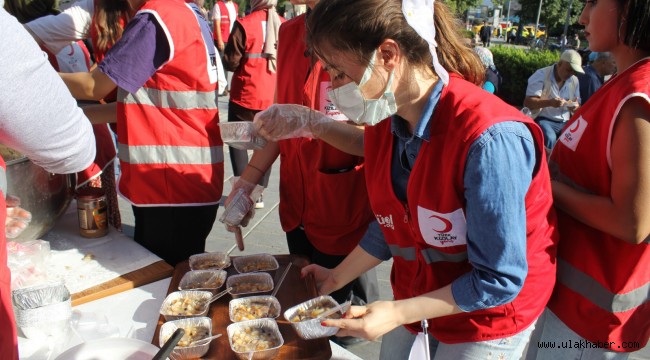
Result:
<point x="343" y="136"/>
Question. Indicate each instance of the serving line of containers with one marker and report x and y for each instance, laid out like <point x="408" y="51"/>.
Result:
<point x="254" y="332"/>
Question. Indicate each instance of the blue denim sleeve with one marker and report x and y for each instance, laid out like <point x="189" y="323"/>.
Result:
<point x="373" y="242"/>
<point x="498" y="172"/>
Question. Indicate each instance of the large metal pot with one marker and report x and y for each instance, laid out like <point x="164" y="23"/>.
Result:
<point x="45" y="195"/>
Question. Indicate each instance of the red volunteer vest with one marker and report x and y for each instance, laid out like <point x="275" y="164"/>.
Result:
<point x="332" y="206"/>
<point x="428" y="236"/>
<point x="105" y="153"/>
<point x="170" y="147"/>
<point x="224" y="26"/>
<point x="253" y="85"/>
<point x="9" y="338"/>
<point x="602" y="289"/>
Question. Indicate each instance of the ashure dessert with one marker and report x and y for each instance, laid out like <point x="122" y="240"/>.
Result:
<point x="251" y="338"/>
<point x="186" y="306"/>
<point x="314" y="312"/>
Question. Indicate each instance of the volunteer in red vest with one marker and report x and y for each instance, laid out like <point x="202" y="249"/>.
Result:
<point x="60" y="142"/>
<point x="457" y="180"/>
<point x="101" y="21"/>
<point x="251" y="54"/>
<point x="169" y="144"/>
<point x="224" y="15"/>
<point x="601" y="187"/>
<point x="315" y="176"/>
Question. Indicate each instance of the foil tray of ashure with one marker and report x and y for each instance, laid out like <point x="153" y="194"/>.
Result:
<point x="241" y="135"/>
<point x="46" y="195"/>
<point x="305" y="317"/>
<point x="196" y="328"/>
<point x="255" y="339"/>
<point x="254" y="263"/>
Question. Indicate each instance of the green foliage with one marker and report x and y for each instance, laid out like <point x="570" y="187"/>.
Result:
<point x="553" y="13"/>
<point x="516" y="65"/>
<point x="460" y="6"/>
<point x="467" y="34"/>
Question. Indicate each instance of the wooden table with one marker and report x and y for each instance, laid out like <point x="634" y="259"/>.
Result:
<point x="294" y="290"/>
<point x="148" y="274"/>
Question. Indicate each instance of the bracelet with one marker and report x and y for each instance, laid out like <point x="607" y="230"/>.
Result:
<point x="256" y="168"/>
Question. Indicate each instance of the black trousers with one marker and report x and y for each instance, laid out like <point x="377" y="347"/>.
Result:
<point x="363" y="289"/>
<point x="174" y="232"/>
<point x="238" y="157"/>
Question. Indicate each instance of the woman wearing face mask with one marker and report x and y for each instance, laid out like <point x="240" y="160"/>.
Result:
<point x="456" y="178"/>
<point x="316" y="179"/>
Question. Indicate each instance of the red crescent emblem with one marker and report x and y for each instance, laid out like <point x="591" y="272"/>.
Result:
<point x="575" y="127"/>
<point x="71" y="50"/>
<point x="447" y="223"/>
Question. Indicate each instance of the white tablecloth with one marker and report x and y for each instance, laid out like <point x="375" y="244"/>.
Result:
<point x="133" y="313"/>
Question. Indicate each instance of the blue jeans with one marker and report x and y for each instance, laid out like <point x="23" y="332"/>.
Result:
<point x="396" y="345"/>
<point x="551" y="130"/>
<point x="552" y="330"/>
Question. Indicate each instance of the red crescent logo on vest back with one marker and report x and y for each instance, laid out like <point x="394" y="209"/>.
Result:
<point x="575" y="127"/>
<point x="447" y="223"/>
<point x="71" y="50"/>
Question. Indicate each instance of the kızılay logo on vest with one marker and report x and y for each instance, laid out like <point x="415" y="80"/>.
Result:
<point x="442" y="229"/>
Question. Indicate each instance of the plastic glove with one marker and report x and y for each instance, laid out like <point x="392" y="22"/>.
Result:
<point x="286" y="121"/>
<point x="239" y="207"/>
<point x="17" y="218"/>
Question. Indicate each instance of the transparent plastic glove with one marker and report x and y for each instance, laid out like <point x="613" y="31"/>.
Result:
<point x="239" y="207"/>
<point x="286" y="121"/>
<point x="17" y="218"/>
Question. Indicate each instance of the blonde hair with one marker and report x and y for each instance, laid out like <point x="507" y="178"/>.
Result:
<point x="107" y="22"/>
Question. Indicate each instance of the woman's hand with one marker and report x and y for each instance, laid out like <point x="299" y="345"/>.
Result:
<point x="368" y="322"/>
<point x="324" y="277"/>
<point x="17" y="218"/>
<point x="286" y="121"/>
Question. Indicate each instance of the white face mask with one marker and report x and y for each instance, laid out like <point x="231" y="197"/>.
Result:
<point x="350" y="100"/>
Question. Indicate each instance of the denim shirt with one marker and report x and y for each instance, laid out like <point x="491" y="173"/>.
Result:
<point x="498" y="172"/>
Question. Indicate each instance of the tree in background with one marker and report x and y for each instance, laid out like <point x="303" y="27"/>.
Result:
<point x="460" y="6"/>
<point x="553" y="14"/>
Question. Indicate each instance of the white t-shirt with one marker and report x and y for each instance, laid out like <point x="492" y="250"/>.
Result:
<point x="569" y="91"/>
<point x="58" y="31"/>
<point x="38" y="116"/>
<point x="232" y="13"/>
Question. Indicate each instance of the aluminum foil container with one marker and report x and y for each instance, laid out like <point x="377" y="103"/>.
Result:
<point x="208" y="280"/>
<point x="246" y="284"/>
<point x="209" y="261"/>
<point x="195" y="329"/>
<point x="42" y="310"/>
<point x="185" y="303"/>
<point x="241" y="135"/>
<point x="253" y="307"/>
<point x="261" y="337"/>
<point x="253" y="263"/>
<point x="312" y="328"/>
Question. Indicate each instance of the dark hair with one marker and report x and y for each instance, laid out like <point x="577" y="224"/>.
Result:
<point x="360" y="26"/>
<point x="107" y="22"/>
<point x="28" y="10"/>
<point x="634" y="18"/>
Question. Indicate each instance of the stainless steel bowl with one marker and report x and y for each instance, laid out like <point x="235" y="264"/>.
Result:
<point x="45" y="195"/>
